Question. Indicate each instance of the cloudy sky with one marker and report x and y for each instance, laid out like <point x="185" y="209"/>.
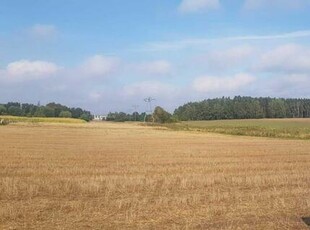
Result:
<point x="108" y="55"/>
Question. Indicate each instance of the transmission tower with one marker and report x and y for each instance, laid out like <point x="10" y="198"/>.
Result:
<point x="149" y="109"/>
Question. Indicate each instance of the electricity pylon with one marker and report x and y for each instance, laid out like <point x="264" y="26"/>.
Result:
<point x="149" y="107"/>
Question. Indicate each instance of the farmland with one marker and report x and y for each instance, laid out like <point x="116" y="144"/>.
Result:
<point x="275" y="128"/>
<point x="127" y="176"/>
<point x="18" y="119"/>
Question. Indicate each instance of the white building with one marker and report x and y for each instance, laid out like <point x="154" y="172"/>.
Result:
<point x="100" y="117"/>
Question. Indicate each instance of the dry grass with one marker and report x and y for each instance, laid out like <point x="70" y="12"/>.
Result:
<point x="14" y="119"/>
<point x="121" y="176"/>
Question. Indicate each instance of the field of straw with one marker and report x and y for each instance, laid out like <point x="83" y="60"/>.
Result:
<point x="126" y="176"/>
<point x="14" y="119"/>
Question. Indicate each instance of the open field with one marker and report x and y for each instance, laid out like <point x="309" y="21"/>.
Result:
<point x="277" y="128"/>
<point x="41" y="119"/>
<point x="125" y="176"/>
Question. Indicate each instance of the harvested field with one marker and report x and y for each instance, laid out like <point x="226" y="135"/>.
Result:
<point x="14" y="119"/>
<point x="125" y="176"/>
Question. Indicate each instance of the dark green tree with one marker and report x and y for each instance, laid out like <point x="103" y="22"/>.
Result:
<point x="15" y="111"/>
<point x="39" y="112"/>
<point x="277" y="108"/>
<point x="161" y="116"/>
<point x="244" y="108"/>
<point x="2" y="110"/>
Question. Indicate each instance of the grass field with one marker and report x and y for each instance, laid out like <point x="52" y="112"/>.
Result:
<point x="277" y="128"/>
<point x="41" y="119"/>
<point x="126" y="176"/>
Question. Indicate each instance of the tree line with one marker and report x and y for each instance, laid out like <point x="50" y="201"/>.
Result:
<point x="121" y="116"/>
<point x="159" y="116"/>
<point x="209" y="109"/>
<point x="224" y="108"/>
<point x="49" y="110"/>
<point x="244" y="108"/>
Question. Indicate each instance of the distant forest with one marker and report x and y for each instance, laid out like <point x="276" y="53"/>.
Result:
<point x="210" y="109"/>
<point x="244" y="108"/>
<point x="226" y="108"/>
<point x="49" y="110"/>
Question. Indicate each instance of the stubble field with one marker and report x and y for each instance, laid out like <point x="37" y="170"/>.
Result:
<point x="125" y="176"/>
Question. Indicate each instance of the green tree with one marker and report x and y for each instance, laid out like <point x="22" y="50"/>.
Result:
<point x="161" y="116"/>
<point x="39" y="112"/>
<point x="58" y="108"/>
<point x="65" y="114"/>
<point x="277" y="108"/>
<point x="85" y="117"/>
<point x="48" y="112"/>
<point x="2" y="110"/>
<point x="256" y="110"/>
<point x="135" y="116"/>
<point x="29" y="109"/>
<point x="15" y="111"/>
<point x="121" y="117"/>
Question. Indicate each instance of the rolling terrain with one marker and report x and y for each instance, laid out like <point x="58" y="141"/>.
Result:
<point x="273" y="128"/>
<point x="126" y="176"/>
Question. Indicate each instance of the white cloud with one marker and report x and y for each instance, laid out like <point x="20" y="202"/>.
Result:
<point x="211" y="84"/>
<point x="95" y="96"/>
<point x="229" y="57"/>
<point x="188" y="6"/>
<point x="287" y="85"/>
<point x="202" y="42"/>
<point x="41" y="31"/>
<point x="30" y="70"/>
<point x="148" y="88"/>
<point x="298" y="79"/>
<point x="284" y="4"/>
<point x="100" y="66"/>
<point x="160" y="67"/>
<point x="286" y="58"/>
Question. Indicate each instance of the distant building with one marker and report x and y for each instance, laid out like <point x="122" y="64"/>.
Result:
<point x="100" y="117"/>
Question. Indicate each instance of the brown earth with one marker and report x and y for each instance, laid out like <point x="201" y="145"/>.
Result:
<point x="125" y="176"/>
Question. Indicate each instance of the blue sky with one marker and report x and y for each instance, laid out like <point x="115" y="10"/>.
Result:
<point x="106" y="55"/>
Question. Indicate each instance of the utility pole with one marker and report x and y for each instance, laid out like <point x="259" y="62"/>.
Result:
<point x="135" y="111"/>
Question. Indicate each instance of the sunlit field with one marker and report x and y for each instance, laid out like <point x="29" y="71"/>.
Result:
<point x="276" y="128"/>
<point x="14" y="119"/>
<point x="127" y="176"/>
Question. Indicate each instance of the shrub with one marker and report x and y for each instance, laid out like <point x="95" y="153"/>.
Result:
<point x="85" y="117"/>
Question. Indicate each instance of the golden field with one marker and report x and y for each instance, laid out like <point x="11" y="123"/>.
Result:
<point x="126" y="176"/>
<point x="14" y="119"/>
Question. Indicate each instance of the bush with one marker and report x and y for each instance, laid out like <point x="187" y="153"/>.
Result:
<point x="85" y="117"/>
